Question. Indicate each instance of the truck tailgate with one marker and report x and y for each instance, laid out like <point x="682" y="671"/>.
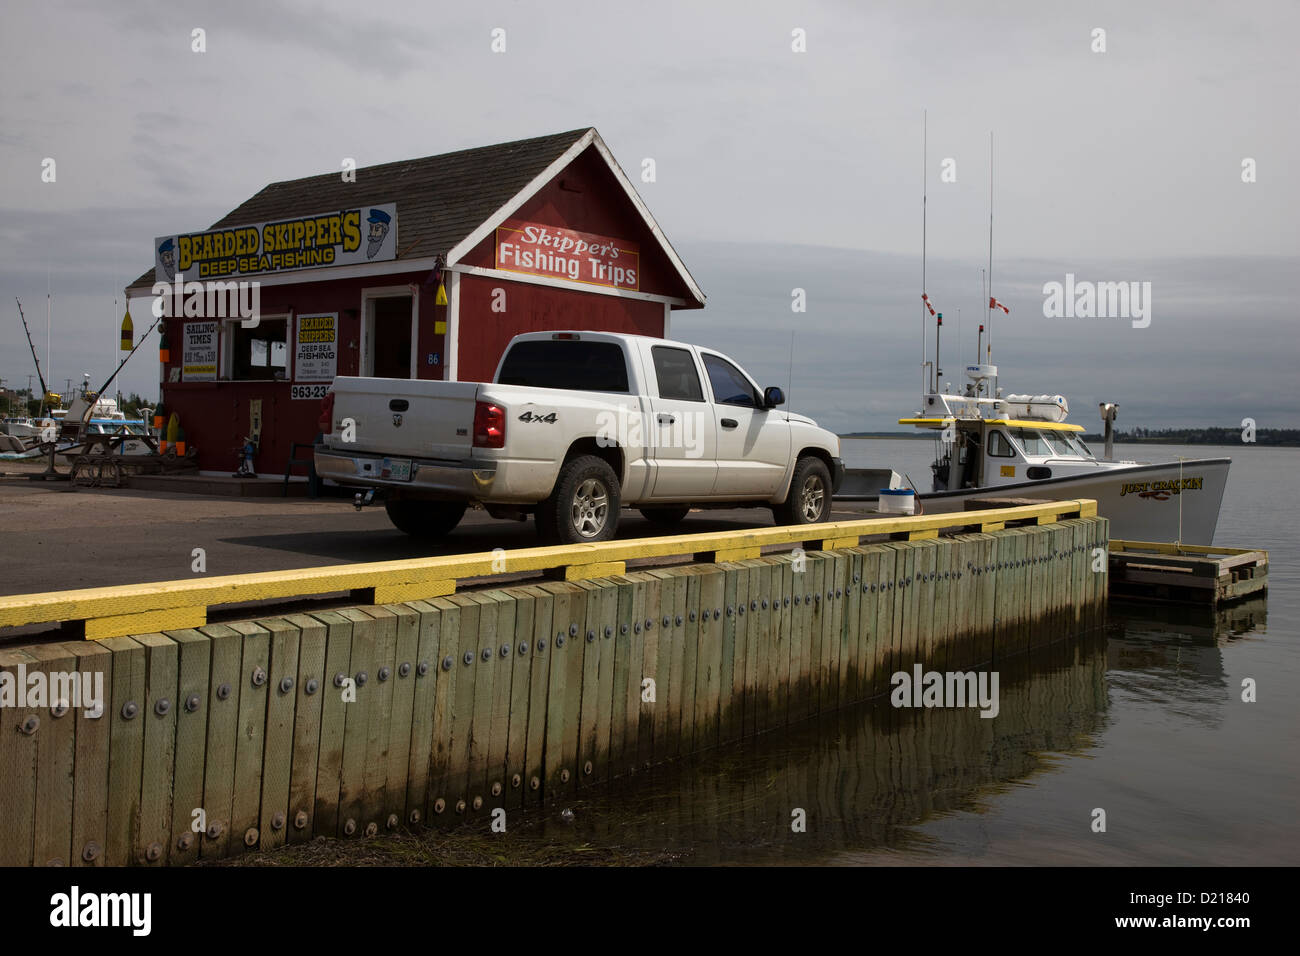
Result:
<point x="407" y="417"/>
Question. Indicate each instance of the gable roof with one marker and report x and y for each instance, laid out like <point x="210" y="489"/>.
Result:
<point x="447" y="203"/>
<point x="440" y="199"/>
<point x="589" y="138"/>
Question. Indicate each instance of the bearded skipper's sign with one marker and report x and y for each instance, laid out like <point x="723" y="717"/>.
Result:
<point x="564" y="254"/>
<point x="316" y="356"/>
<point x="340" y="238"/>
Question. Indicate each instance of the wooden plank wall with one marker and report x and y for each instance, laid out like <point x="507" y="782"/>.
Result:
<point x="227" y="739"/>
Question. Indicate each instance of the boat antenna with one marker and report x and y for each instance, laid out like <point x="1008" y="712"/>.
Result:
<point x="49" y="298"/>
<point x="938" y="328"/>
<point x="925" y="182"/>
<point x="989" y="306"/>
<point x="1180" y="502"/>
<point x="35" y="358"/>
<point x="789" y="375"/>
<point x="114" y="327"/>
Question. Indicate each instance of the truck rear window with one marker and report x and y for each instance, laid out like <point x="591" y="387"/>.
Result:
<point x="578" y="366"/>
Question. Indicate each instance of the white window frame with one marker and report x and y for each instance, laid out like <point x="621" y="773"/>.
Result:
<point x="226" y="353"/>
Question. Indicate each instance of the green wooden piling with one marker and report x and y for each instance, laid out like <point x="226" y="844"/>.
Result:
<point x="125" y="749"/>
<point x="402" y="719"/>
<point x="254" y="681"/>
<point x="521" y="662"/>
<point x="311" y="684"/>
<point x="90" y="786"/>
<point x="55" y="755"/>
<point x="194" y="652"/>
<point x="277" y="760"/>
<point x="333" y="721"/>
<point x="221" y="705"/>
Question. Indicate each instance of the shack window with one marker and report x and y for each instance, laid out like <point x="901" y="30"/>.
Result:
<point x="675" y="372"/>
<point x="260" y="352"/>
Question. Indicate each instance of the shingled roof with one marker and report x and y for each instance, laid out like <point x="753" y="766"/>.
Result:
<point x="441" y="199"/>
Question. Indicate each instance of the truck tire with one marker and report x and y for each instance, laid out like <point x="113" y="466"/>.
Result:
<point x="665" y="517"/>
<point x="426" y="520"/>
<point x="809" y="500"/>
<point x="584" y="505"/>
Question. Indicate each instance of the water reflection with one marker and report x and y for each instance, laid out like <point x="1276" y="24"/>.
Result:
<point x="880" y="784"/>
<point x="862" y="776"/>
<point x="1172" y="655"/>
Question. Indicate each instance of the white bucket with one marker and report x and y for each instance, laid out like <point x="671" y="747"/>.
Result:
<point x="896" y="501"/>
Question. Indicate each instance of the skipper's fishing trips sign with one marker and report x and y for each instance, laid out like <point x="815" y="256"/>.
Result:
<point x="539" y="250"/>
<point x="346" y="237"/>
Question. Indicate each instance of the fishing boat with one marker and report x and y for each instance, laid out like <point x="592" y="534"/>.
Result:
<point x="126" y="437"/>
<point x="20" y="428"/>
<point x="1022" y="446"/>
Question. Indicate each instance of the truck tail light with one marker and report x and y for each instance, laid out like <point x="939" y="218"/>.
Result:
<point x="489" y="425"/>
<point x="326" y="422"/>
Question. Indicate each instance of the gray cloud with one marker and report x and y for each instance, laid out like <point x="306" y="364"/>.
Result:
<point x="775" y="169"/>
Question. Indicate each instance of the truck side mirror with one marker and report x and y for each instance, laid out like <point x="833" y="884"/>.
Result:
<point x="773" y="396"/>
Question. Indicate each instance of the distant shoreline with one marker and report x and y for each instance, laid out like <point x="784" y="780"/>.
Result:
<point x="1262" y="440"/>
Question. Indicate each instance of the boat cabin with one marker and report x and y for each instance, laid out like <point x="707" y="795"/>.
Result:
<point x="987" y="442"/>
<point x="984" y="454"/>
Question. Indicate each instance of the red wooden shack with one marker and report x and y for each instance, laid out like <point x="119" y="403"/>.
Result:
<point x="352" y="270"/>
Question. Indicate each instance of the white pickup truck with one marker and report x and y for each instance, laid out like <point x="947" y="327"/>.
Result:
<point x="575" y="426"/>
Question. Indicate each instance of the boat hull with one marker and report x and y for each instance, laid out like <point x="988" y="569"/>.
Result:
<point x="1169" y="501"/>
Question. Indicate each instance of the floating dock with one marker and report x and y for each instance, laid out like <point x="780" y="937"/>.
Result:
<point x="1185" y="574"/>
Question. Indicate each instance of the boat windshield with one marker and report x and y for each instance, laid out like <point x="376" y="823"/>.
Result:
<point x="1033" y="443"/>
<point x="1076" y="443"/>
<point x="1050" y="444"/>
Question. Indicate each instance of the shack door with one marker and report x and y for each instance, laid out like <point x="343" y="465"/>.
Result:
<point x="389" y="328"/>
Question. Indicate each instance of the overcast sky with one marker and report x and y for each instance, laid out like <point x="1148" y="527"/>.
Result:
<point x="775" y="170"/>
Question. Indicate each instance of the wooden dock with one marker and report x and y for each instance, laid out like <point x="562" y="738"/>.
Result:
<point x="217" y="739"/>
<point x="1184" y="574"/>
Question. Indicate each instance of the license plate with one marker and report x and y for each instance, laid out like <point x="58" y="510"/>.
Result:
<point x="397" y="469"/>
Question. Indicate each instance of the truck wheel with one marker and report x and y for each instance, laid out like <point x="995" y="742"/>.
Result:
<point x="427" y="520"/>
<point x="809" y="501"/>
<point x="665" y="517"/>
<point x="584" y="505"/>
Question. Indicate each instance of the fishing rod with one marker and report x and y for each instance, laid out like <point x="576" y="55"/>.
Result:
<point x="124" y="361"/>
<point x="35" y="358"/>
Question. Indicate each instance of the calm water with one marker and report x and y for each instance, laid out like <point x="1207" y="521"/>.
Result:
<point x="1143" y="719"/>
